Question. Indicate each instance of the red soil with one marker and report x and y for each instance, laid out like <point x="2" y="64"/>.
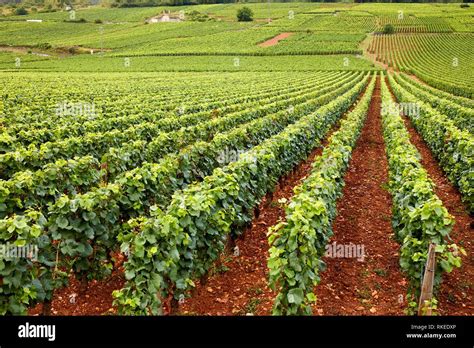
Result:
<point x="275" y="40"/>
<point x="95" y="300"/>
<point x="374" y="286"/>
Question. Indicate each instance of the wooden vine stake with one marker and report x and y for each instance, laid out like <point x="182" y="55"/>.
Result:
<point x="424" y="306"/>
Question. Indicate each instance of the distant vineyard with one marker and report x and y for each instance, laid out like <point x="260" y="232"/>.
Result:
<point x="442" y="60"/>
<point x="411" y="24"/>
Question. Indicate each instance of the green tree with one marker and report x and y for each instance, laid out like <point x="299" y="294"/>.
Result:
<point x="388" y="29"/>
<point x="244" y="14"/>
<point x="21" y="11"/>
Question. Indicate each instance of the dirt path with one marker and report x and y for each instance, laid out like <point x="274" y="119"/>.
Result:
<point x="22" y="50"/>
<point x="456" y="295"/>
<point x="60" y="52"/>
<point x="417" y="79"/>
<point x="374" y="286"/>
<point x="275" y="40"/>
<point x="364" y="46"/>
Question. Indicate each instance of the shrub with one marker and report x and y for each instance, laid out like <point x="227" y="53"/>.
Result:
<point x="464" y="6"/>
<point x="198" y="16"/>
<point x="82" y="20"/>
<point x="245" y="14"/>
<point x="388" y="29"/>
<point x="44" y="46"/>
<point x="21" y="11"/>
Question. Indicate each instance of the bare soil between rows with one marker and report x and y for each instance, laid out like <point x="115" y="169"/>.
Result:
<point x="374" y="286"/>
